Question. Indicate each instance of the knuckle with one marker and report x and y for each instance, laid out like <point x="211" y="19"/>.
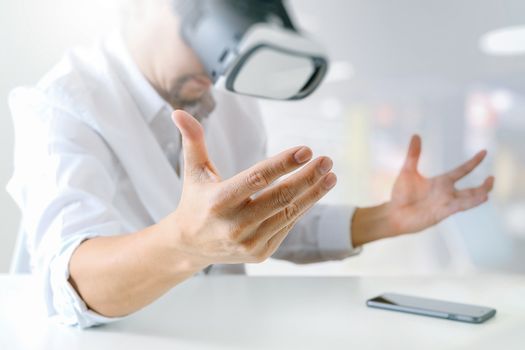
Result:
<point x="317" y="194"/>
<point x="259" y="178"/>
<point x="291" y="211"/>
<point x="281" y="166"/>
<point x="311" y="179"/>
<point x="284" y="196"/>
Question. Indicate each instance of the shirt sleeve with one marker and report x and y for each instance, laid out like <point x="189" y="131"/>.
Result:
<point x="63" y="182"/>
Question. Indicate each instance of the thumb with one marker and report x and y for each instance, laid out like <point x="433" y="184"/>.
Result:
<point x="197" y="164"/>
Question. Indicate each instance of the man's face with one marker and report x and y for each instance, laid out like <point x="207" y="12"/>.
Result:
<point x="190" y="88"/>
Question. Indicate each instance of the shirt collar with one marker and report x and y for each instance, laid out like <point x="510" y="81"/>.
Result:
<point x="148" y="100"/>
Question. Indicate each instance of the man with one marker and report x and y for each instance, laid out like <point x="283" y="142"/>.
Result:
<point x="116" y="211"/>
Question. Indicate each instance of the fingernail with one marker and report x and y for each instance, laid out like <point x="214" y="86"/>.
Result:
<point x="325" y="165"/>
<point x="330" y="181"/>
<point x="302" y="155"/>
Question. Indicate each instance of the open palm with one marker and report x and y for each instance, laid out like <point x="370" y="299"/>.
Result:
<point x="419" y="202"/>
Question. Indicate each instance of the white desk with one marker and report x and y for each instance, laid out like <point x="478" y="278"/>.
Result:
<point x="232" y="312"/>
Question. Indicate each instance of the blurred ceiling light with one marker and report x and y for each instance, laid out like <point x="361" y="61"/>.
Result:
<point x="339" y="71"/>
<point x="504" y="42"/>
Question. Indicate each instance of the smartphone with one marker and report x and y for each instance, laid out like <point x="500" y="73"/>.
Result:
<point x="432" y="307"/>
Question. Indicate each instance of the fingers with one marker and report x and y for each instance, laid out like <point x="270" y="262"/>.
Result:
<point x="241" y="186"/>
<point x="464" y="169"/>
<point x="275" y="199"/>
<point x="484" y="189"/>
<point x="462" y="204"/>
<point x="413" y="154"/>
<point x="471" y="197"/>
<point x="196" y="159"/>
<point x="300" y="205"/>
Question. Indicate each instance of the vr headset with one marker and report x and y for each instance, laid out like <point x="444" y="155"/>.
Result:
<point x="251" y="47"/>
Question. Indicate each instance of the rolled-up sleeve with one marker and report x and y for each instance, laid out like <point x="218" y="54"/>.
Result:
<point x="334" y="231"/>
<point x="63" y="302"/>
<point x="64" y="183"/>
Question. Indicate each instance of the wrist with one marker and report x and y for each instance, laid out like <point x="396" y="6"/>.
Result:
<point x="172" y="248"/>
<point x="372" y="223"/>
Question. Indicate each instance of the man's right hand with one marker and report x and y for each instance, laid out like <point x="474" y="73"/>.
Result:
<point x="245" y="218"/>
<point x="238" y="220"/>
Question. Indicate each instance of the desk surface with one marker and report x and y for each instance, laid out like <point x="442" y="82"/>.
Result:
<point x="238" y="312"/>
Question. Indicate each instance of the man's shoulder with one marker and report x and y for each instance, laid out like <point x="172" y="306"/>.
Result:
<point x="71" y="81"/>
<point x="70" y="86"/>
<point x="77" y="75"/>
<point x="58" y="109"/>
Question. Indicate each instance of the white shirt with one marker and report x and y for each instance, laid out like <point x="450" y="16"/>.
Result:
<point x="96" y="153"/>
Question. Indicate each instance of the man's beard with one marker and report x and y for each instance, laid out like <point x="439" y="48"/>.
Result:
<point x="200" y="108"/>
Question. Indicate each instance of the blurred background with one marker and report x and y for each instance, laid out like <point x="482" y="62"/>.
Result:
<point x="452" y="71"/>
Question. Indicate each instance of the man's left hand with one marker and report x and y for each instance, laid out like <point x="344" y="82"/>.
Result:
<point x="418" y="202"/>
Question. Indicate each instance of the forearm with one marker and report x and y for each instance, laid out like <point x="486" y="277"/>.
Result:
<point x="118" y="275"/>
<point x="372" y="223"/>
